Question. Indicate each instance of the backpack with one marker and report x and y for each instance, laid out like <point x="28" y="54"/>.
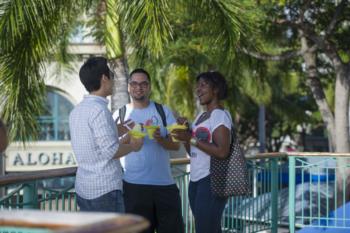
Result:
<point x="159" y="108"/>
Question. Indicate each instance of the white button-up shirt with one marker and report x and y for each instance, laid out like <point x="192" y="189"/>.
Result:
<point x="94" y="139"/>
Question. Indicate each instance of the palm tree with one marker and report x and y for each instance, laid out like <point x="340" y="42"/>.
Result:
<point x="203" y="35"/>
<point x="31" y="31"/>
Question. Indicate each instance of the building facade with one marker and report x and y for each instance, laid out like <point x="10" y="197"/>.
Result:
<point x="53" y="149"/>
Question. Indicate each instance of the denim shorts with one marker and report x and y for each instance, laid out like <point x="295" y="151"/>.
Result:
<point x="109" y="202"/>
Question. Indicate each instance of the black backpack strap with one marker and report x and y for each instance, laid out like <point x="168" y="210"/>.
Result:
<point x="122" y="112"/>
<point x="161" y="112"/>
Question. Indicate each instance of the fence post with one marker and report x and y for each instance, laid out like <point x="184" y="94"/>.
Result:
<point x="274" y="195"/>
<point x="291" y="197"/>
<point x="30" y="196"/>
<point x="2" y="172"/>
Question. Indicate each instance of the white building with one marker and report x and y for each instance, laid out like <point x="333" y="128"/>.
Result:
<point x="53" y="150"/>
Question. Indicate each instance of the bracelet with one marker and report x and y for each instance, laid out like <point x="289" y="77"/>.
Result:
<point x="194" y="141"/>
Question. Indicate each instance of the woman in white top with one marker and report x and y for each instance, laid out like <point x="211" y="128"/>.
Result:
<point x="210" y="137"/>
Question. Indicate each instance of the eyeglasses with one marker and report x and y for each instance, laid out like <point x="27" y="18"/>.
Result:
<point x="143" y="84"/>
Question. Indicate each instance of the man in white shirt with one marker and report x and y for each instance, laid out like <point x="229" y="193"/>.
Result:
<point x="94" y="139"/>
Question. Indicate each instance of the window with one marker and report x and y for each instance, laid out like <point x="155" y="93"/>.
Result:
<point x="54" y="121"/>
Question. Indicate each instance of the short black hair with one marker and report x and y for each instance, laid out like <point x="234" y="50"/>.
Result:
<point x="142" y="71"/>
<point x="91" y="73"/>
<point x="216" y="80"/>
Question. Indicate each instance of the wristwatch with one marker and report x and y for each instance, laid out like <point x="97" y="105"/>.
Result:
<point x="193" y="141"/>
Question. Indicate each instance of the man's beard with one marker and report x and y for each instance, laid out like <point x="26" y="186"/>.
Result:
<point x="141" y="98"/>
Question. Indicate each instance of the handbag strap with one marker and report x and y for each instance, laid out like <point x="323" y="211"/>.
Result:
<point x="233" y="131"/>
<point x="206" y="115"/>
<point x="203" y="117"/>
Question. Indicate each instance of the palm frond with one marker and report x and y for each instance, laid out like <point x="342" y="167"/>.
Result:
<point x="179" y="81"/>
<point x="228" y="24"/>
<point x="28" y="34"/>
<point x="147" y="24"/>
<point x="113" y="37"/>
<point x="103" y="22"/>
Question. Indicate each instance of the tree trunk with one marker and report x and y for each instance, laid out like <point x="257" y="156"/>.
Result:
<point x="337" y="125"/>
<point x="120" y="95"/>
<point x="114" y="42"/>
<point x="314" y="84"/>
<point x="342" y="111"/>
<point x="342" y="133"/>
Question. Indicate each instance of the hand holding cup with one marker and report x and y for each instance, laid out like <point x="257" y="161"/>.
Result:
<point x="177" y="131"/>
<point x="136" y="143"/>
<point x="136" y="132"/>
<point x="151" y="130"/>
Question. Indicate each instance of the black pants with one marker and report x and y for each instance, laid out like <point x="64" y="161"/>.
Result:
<point x="160" y="205"/>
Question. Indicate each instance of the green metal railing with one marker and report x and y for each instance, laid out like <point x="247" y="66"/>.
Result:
<point x="253" y="213"/>
<point x="246" y="214"/>
<point x="28" y="196"/>
<point x="320" y="198"/>
<point x="31" y="191"/>
<point x="295" y="189"/>
<point x="258" y="211"/>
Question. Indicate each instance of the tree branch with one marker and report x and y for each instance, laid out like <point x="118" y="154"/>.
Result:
<point x="280" y="57"/>
<point x="285" y="22"/>
<point x="322" y="43"/>
<point x="335" y="18"/>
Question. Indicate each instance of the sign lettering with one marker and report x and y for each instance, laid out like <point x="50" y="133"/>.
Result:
<point x="39" y="157"/>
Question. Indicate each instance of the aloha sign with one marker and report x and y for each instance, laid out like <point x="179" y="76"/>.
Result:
<point x="39" y="156"/>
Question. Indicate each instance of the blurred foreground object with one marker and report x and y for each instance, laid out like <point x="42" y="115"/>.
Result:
<point x="97" y="222"/>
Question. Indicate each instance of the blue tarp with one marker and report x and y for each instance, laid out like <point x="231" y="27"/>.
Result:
<point x="338" y="226"/>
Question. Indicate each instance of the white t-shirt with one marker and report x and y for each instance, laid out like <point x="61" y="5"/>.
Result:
<point x="200" y="161"/>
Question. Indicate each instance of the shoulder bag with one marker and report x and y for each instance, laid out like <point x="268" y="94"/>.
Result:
<point x="229" y="176"/>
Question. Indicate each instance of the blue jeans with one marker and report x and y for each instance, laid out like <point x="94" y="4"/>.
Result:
<point x="207" y="209"/>
<point x="109" y="202"/>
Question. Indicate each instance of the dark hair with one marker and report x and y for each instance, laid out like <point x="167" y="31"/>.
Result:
<point x="91" y="73"/>
<point x="142" y="71"/>
<point x="216" y="80"/>
<point x="2" y="125"/>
